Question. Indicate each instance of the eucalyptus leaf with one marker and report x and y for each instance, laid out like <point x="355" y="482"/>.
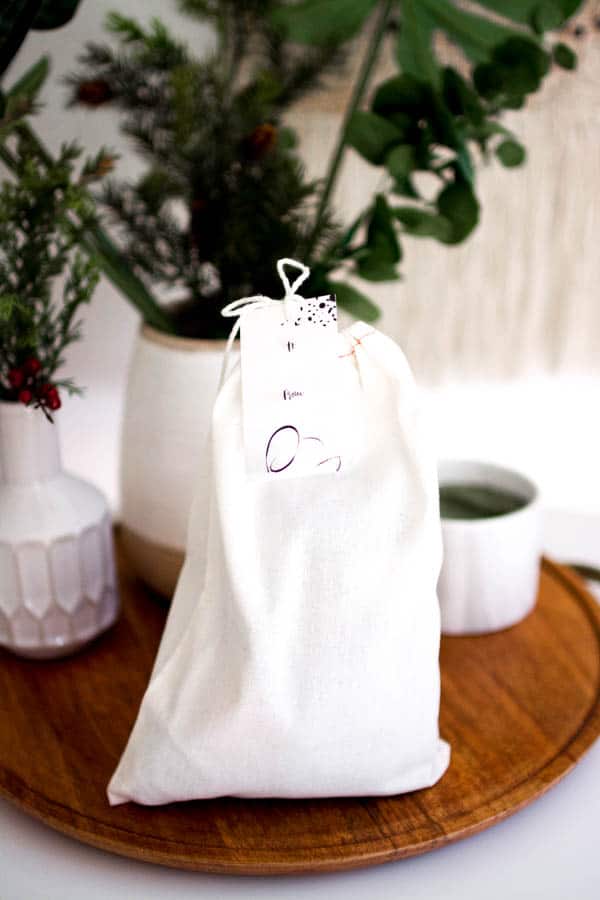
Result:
<point x="402" y="94"/>
<point x="546" y="16"/>
<point x="514" y="101"/>
<point x="511" y="153"/>
<point x="476" y="35"/>
<point x="372" y="135"/>
<point x="414" y="48"/>
<point x="381" y="234"/>
<point x="422" y="223"/>
<point x="488" y="80"/>
<point x="374" y="269"/>
<point x="564" y="57"/>
<point x="460" y="98"/>
<point x="353" y="301"/>
<point x="524" y="10"/>
<point x="403" y="187"/>
<point x="443" y="125"/>
<point x="516" y="68"/>
<point x="400" y="161"/>
<point x="522" y="53"/>
<point x="458" y="204"/>
<point x="322" y="22"/>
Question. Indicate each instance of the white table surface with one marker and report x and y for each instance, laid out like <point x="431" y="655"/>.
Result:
<point x="550" y="850"/>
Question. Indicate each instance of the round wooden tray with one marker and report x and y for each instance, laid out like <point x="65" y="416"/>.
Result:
<point x="519" y="708"/>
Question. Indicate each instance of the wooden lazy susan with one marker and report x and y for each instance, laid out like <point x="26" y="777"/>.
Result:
<point x="519" y="708"/>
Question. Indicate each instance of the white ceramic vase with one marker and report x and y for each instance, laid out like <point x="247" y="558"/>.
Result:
<point x="57" y="575"/>
<point x="170" y="394"/>
<point x="490" y="574"/>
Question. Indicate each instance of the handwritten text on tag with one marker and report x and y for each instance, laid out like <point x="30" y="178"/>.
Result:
<point x="289" y="375"/>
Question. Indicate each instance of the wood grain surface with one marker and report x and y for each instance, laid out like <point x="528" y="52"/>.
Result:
<point x="519" y="708"/>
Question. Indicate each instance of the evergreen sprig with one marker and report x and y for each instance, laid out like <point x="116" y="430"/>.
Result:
<point x="223" y="195"/>
<point x="44" y="210"/>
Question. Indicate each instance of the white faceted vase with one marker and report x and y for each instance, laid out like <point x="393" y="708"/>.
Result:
<point x="57" y="575"/>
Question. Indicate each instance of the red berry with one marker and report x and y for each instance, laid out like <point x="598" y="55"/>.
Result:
<point x="53" y="400"/>
<point x="45" y="389"/>
<point x="25" y="396"/>
<point x="15" y="378"/>
<point x="32" y="366"/>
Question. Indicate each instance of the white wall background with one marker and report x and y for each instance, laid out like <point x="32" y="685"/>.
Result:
<point x="504" y="332"/>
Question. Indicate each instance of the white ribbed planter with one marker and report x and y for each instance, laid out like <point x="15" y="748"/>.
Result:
<point x="490" y="574"/>
<point x="170" y="394"/>
<point x="57" y="575"/>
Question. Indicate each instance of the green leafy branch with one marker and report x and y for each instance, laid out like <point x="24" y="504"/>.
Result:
<point x="16" y="105"/>
<point x="43" y="211"/>
<point x="223" y="193"/>
<point x="429" y="118"/>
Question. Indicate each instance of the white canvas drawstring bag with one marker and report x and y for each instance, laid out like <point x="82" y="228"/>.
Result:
<point x="300" y="655"/>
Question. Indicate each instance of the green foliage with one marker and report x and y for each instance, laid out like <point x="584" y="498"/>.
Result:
<point x="354" y="302"/>
<point x="435" y="120"/>
<point x="372" y="135"/>
<point x="564" y="57"/>
<point x="459" y="206"/>
<point x="422" y="223"/>
<point x="223" y="194"/>
<point x="510" y="153"/>
<point x="15" y="105"/>
<point x="43" y="211"/>
<point x="21" y="99"/>
<point x="323" y="21"/>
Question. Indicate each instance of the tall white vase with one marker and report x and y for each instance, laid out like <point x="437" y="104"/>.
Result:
<point x="57" y="575"/>
<point x="170" y="394"/>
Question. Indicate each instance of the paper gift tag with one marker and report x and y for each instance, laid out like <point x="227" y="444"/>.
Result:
<point x="291" y="415"/>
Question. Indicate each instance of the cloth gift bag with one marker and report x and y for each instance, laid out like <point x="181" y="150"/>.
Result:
<point x="300" y="655"/>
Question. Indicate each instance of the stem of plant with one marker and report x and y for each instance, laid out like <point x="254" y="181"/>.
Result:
<point x="360" y="86"/>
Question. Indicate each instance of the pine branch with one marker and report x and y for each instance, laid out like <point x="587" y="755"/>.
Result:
<point x="223" y="195"/>
<point x="39" y="210"/>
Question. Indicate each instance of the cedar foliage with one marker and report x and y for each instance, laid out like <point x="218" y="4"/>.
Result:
<point x="223" y="194"/>
<point x="44" y="209"/>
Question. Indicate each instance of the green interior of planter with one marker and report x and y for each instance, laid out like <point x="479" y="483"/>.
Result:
<point x="477" y="501"/>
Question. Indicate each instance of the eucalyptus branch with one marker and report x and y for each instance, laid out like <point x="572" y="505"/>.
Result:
<point x="360" y="87"/>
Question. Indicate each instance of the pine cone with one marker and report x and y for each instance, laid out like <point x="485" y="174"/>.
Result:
<point x="94" y="93"/>
<point x="260" y="141"/>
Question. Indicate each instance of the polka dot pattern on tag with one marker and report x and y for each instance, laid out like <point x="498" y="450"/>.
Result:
<point x="316" y="310"/>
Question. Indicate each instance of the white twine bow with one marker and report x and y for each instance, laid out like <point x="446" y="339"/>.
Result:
<point x="239" y="308"/>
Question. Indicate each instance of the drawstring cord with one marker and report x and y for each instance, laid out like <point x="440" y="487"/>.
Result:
<point x="239" y="308"/>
